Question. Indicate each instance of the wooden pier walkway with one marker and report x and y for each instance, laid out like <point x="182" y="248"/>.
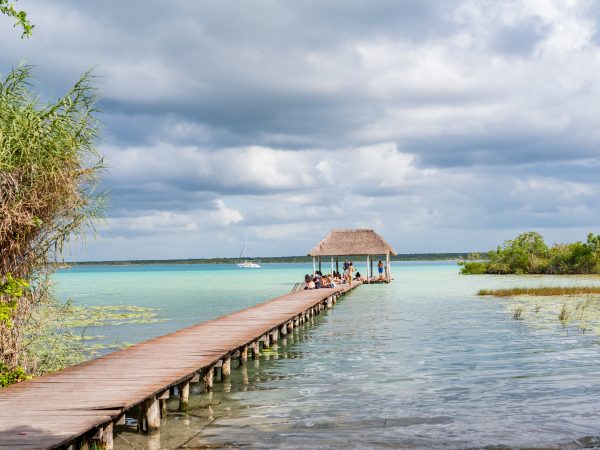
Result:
<point x="81" y="404"/>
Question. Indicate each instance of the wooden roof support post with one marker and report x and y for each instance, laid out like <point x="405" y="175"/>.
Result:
<point x="387" y="267"/>
<point x="314" y="265"/>
<point x="332" y="266"/>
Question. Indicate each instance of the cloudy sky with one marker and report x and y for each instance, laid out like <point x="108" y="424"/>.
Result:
<point x="446" y="126"/>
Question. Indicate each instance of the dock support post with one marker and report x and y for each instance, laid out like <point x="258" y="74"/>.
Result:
<point x="226" y="368"/>
<point x="329" y="302"/>
<point x="208" y="379"/>
<point x="184" y="396"/>
<point x="244" y="355"/>
<point x="255" y="349"/>
<point x="103" y="439"/>
<point x="274" y="334"/>
<point x="163" y="402"/>
<point x="290" y="326"/>
<point x="283" y="330"/>
<point x="266" y="341"/>
<point x="149" y="420"/>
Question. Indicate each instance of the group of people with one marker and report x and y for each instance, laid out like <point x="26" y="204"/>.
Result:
<point x="318" y="280"/>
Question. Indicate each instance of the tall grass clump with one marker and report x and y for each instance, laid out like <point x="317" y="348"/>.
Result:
<point x="564" y="314"/>
<point x="48" y="173"/>
<point x="541" y="291"/>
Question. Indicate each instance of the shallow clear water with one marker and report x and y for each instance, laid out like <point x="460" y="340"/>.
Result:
<point x="419" y="363"/>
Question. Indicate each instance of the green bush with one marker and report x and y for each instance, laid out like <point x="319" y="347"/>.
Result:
<point x="12" y="289"/>
<point x="529" y="254"/>
<point x="473" y="267"/>
<point x="11" y="376"/>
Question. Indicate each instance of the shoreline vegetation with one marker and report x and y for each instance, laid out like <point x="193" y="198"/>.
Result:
<point x="49" y="170"/>
<point x="541" y="291"/>
<point x="266" y="260"/>
<point x="529" y="254"/>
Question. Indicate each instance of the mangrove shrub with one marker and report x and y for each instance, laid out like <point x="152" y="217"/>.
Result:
<point x="529" y="254"/>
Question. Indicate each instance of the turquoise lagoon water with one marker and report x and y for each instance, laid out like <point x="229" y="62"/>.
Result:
<point x="419" y="363"/>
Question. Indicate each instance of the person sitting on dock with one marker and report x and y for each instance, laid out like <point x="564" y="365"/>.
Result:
<point x="308" y="282"/>
<point x="359" y="277"/>
<point x="318" y="281"/>
<point x="337" y="278"/>
<point x="327" y="282"/>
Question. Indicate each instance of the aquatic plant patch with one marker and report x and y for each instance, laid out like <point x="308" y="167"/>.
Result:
<point x="573" y="312"/>
<point x="60" y="336"/>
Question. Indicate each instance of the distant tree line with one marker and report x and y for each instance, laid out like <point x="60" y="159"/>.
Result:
<point x="529" y="254"/>
<point x="273" y="259"/>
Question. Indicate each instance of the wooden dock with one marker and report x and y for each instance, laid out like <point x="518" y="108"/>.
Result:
<point x="80" y="405"/>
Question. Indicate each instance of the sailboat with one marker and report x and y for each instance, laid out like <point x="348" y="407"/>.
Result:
<point x="246" y="263"/>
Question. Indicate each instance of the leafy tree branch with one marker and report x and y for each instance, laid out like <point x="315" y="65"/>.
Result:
<point x="9" y="10"/>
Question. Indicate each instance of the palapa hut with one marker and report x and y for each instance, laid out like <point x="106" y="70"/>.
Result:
<point x="353" y="243"/>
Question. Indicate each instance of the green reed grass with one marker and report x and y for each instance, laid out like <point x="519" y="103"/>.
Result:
<point x="518" y="312"/>
<point x="541" y="291"/>
<point x="565" y="314"/>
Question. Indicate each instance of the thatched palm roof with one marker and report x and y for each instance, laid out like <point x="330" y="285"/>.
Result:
<point x="352" y="242"/>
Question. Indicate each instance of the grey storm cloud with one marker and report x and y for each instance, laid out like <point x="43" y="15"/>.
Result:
<point x="284" y="119"/>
